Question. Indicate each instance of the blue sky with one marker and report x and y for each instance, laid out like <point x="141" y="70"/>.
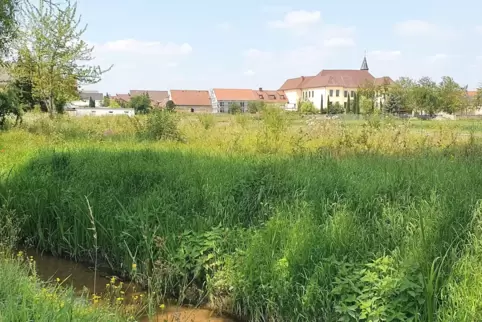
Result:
<point x="249" y="44"/>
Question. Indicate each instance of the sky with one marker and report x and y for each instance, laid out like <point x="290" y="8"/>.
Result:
<point x="161" y="45"/>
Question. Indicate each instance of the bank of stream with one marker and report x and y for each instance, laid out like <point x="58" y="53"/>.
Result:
<point x="85" y="280"/>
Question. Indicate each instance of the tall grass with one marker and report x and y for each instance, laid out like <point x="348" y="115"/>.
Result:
<point x="271" y="219"/>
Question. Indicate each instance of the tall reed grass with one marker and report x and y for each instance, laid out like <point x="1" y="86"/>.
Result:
<point x="273" y="218"/>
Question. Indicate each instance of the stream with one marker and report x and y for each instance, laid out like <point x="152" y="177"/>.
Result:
<point x="81" y="277"/>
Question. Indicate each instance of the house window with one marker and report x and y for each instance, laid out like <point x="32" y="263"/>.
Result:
<point x="221" y="104"/>
<point x="111" y="112"/>
<point x="331" y="92"/>
<point x="272" y="97"/>
<point x="346" y="93"/>
<point x="282" y="97"/>
<point x="312" y="93"/>
<point x="352" y="93"/>
<point x="126" y="112"/>
<point x="337" y="93"/>
<point x="261" y="97"/>
<point x="241" y="104"/>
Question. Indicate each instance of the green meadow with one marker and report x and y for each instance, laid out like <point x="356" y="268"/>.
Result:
<point x="273" y="217"/>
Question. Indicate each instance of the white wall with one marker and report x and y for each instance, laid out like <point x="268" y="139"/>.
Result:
<point x="316" y="97"/>
<point x="102" y="111"/>
<point x="292" y="96"/>
<point x="85" y="103"/>
<point x="228" y="103"/>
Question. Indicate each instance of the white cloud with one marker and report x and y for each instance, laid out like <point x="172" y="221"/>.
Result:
<point x="478" y="29"/>
<point x="257" y="54"/>
<point x="298" y="18"/>
<point x="338" y="42"/>
<point x="249" y="72"/>
<point x="416" y="28"/>
<point x="385" y="55"/>
<point x="145" y="47"/>
<point x="172" y="64"/>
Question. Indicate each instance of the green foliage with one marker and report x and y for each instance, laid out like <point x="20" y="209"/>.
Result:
<point x="9" y="11"/>
<point x="453" y="97"/>
<point x="106" y="101"/>
<point x="478" y="98"/>
<point x="114" y="103"/>
<point x="366" y="105"/>
<point x="336" y="108"/>
<point x="393" y="104"/>
<point x="256" y="106"/>
<point x="91" y="102"/>
<point x="348" y="105"/>
<point x="378" y="291"/>
<point x="141" y="104"/>
<point x="207" y="120"/>
<point x="307" y="107"/>
<point x="9" y="105"/>
<point x="170" y="106"/>
<point x="235" y="108"/>
<point x="159" y="125"/>
<point x="49" y="53"/>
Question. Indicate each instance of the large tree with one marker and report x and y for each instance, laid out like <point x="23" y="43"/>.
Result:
<point x="9" y="10"/>
<point x="426" y="96"/>
<point x="52" y="55"/>
<point x="453" y="97"/>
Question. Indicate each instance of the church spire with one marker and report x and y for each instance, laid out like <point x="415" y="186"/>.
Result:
<point x="364" y="65"/>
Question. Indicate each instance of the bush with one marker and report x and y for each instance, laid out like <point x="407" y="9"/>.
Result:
<point x="9" y="105"/>
<point x="141" y="104"/>
<point x="256" y="106"/>
<point x="159" y="125"/>
<point x="307" y="108"/>
<point x="170" y="106"/>
<point x="207" y="120"/>
<point x="235" y="108"/>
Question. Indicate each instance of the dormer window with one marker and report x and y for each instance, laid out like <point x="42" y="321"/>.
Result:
<point x="282" y="97"/>
<point x="272" y="97"/>
<point x="261" y="97"/>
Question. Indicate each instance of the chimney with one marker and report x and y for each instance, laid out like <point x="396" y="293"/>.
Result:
<point x="302" y="78"/>
<point x="260" y="89"/>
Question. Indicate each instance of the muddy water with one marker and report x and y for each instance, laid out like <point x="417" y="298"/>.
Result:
<point x="81" y="277"/>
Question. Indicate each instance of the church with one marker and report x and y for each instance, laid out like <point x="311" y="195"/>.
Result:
<point x="330" y="85"/>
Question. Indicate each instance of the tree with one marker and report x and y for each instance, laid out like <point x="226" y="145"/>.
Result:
<point x="478" y="97"/>
<point x="328" y="104"/>
<point x="141" y="104"/>
<point x="426" y="96"/>
<point x="393" y="104"/>
<point x="9" y="104"/>
<point x="365" y="105"/>
<point x="114" y="103"/>
<point x="53" y="56"/>
<point x="170" y="106"/>
<point x="452" y="95"/>
<point x="9" y="10"/>
<point x="235" y="108"/>
<point x="106" y="102"/>
<point x="348" y="104"/>
<point x="91" y="102"/>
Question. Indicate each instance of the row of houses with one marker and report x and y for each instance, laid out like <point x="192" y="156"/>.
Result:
<point x="216" y="100"/>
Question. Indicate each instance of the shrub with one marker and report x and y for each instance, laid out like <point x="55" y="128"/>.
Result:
<point x="307" y="108"/>
<point x="206" y="120"/>
<point x="256" y="106"/>
<point x="170" y="106"/>
<point x="235" y="108"/>
<point x="159" y="125"/>
<point x="336" y="109"/>
<point x="141" y="104"/>
<point x="9" y="105"/>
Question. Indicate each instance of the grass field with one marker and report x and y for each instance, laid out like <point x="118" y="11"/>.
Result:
<point x="271" y="218"/>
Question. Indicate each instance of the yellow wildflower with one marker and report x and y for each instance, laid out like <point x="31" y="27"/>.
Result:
<point x="112" y="280"/>
<point x="134" y="266"/>
<point x="162" y="306"/>
<point x="107" y="285"/>
<point x="58" y="280"/>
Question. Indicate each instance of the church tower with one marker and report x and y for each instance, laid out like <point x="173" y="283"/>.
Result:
<point x="364" y="65"/>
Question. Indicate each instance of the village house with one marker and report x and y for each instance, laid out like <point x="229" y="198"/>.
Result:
<point x="333" y="85"/>
<point x="223" y="98"/>
<point x="158" y="98"/>
<point x="86" y="96"/>
<point x="194" y="101"/>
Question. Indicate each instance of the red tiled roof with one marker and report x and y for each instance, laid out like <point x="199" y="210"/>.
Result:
<point x="296" y="83"/>
<point x="190" y="98"/>
<point x="224" y="94"/>
<point x="271" y="96"/>
<point x="472" y="93"/>
<point x="155" y="96"/>
<point x="122" y="97"/>
<point x="385" y="80"/>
